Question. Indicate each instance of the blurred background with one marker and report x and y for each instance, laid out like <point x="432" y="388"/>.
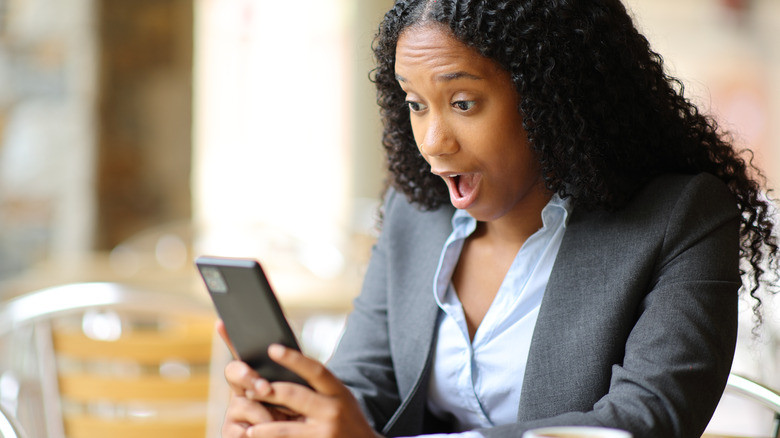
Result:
<point x="135" y="135"/>
<point x="138" y="134"/>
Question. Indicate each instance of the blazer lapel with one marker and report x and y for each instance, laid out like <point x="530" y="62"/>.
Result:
<point x="414" y="318"/>
<point x="566" y="310"/>
<point x="415" y="310"/>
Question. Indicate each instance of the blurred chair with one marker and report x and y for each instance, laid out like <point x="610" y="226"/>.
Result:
<point x="9" y="426"/>
<point x="108" y="360"/>
<point x="756" y="399"/>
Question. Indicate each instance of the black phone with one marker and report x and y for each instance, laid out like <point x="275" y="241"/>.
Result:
<point x="252" y="315"/>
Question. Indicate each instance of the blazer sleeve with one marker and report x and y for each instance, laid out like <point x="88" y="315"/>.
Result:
<point x="362" y="358"/>
<point x="678" y="352"/>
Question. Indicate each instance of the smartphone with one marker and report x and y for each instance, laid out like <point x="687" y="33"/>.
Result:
<point x="252" y="315"/>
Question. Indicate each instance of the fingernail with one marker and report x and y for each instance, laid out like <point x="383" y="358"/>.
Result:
<point x="262" y="387"/>
<point x="276" y="350"/>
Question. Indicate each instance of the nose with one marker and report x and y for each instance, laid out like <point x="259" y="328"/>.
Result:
<point x="438" y="139"/>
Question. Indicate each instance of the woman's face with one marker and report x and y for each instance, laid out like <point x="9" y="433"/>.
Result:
<point x="465" y="118"/>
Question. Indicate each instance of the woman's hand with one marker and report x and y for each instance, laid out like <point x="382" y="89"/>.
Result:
<point x="327" y="410"/>
<point x="243" y="411"/>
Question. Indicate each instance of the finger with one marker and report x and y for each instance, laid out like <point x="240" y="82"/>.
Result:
<point x="298" y="398"/>
<point x="234" y="430"/>
<point x="219" y="325"/>
<point x="236" y="424"/>
<point x="247" y="412"/>
<point x="287" y="429"/>
<point x="282" y="413"/>
<point x="314" y="372"/>
<point x="243" y="380"/>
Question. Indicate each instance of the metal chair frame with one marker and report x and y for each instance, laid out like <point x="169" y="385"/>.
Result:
<point x="9" y="427"/>
<point x="37" y="308"/>
<point x="759" y="393"/>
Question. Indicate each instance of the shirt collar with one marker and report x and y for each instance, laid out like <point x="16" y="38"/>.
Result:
<point x="555" y="208"/>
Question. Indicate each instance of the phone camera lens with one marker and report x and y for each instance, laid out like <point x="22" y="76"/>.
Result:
<point x="214" y="279"/>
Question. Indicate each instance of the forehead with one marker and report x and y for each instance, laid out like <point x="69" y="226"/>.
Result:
<point x="432" y="48"/>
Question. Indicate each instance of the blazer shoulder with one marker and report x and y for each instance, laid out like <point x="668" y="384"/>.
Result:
<point x="398" y="213"/>
<point x="667" y="207"/>
<point x="701" y="182"/>
<point x="703" y="193"/>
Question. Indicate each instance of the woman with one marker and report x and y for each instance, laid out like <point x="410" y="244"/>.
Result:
<point x="560" y="245"/>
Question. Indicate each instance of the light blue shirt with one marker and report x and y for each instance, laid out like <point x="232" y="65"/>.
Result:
<point x="478" y="383"/>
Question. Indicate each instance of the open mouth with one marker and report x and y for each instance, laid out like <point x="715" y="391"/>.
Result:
<point x="463" y="188"/>
<point x="463" y="185"/>
<point x="456" y="185"/>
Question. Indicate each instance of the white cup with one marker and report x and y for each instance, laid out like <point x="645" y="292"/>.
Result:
<point x="576" y="432"/>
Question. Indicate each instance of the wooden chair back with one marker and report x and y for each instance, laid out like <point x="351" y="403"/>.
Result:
<point x="114" y="361"/>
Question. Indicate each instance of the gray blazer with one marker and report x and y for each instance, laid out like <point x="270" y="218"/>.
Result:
<point x="636" y="330"/>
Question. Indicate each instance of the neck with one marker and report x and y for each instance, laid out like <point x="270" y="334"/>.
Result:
<point x="514" y="228"/>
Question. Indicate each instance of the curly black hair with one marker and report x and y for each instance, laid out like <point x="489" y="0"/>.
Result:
<point x="601" y="114"/>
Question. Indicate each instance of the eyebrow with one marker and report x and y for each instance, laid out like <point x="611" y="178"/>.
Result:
<point x="447" y="77"/>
